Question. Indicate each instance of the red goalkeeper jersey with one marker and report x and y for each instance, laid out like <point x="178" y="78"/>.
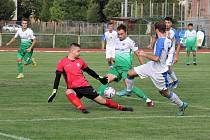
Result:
<point x="73" y="72"/>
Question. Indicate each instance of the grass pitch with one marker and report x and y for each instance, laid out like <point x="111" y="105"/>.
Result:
<point x="25" y="113"/>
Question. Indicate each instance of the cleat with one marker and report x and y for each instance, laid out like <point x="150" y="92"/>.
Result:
<point x="182" y="109"/>
<point x="127" y="109"/>
<point x="151" y="104"/>
<point x="187" y="64"/>
<point x="20" y="76"/>
<point x="85" y="111"/>
<point x="124" y="92"/>
<point x="174" y="84"/>
<point x="34" y="63"/>
<point x="194" y="63"/>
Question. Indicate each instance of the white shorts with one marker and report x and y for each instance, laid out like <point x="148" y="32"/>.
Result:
<point x="160" y="80"/>
<point x="170" y="59"/>
<point x="110" y="53"/>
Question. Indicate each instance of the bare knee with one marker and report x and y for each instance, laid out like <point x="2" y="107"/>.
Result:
<point x="111" y="77"/>
<point x="100" y="100"/>
<point x="164" y="93"/>
<point x="70" y="91"/>
<point x="132" y="73"/>
<point x="18" y="60"/>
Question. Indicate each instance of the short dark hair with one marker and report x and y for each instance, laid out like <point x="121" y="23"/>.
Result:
<point x="24" y="19"/>
<point x="74" y="45"/>
<point x="110" y="23"/>
<point x="190" y="24"/>
<point x="168" y="19"/>
<point x="161" y="26"/>
<point x="122" y="27"/>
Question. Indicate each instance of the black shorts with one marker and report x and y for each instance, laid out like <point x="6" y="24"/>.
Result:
<point x="89" y="92"/>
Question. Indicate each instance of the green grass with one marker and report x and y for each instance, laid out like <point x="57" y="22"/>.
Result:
<point x="24" y="111"/>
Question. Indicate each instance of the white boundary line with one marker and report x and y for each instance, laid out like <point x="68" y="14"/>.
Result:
<point x="102" y="118"/>
<point x="198" y="107"/>
<point x="81" y="51"/>
<point x="13" y="136"/>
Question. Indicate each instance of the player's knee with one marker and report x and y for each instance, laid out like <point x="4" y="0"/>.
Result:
<point x="131" y="74"/>
<point x="70" y="91"/>
<point x="100" y="100"/>
<point x="111" y="77"/>
<point x="164" y="93"/>
<point x="19" y="60"/>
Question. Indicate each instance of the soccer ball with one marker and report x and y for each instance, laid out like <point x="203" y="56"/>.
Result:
<point x="109" y="92"/>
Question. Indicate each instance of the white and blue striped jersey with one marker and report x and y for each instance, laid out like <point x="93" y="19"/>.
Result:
<point x="173" y="35"/>
<point x="161" y="50"/>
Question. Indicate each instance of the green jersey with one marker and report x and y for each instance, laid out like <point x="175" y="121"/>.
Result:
<point x="26" y="38"/>
<point x="124" y="53"/>
<point x="190" y="36"/>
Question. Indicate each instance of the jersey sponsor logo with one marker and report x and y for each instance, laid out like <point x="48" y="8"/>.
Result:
<point x="78" y="64"/>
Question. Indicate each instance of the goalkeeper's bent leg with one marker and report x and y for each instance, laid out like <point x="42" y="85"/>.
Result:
<point x="101" y="89"/>
<point x="75" y="101"/>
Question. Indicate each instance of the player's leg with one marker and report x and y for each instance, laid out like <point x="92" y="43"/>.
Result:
<point x="194" y="58"/>
<point x="188" y="49"/>
<point x="108" y="57"/>
<point x="161" y="82"/>
<point x="173" y="83"/>
<point x="194" y="49"/>
<point x="19" y="65"/>
<point x="72" y="97"/>
<point x="170" y="62"/>
<point x="27" y="58"/>
<point x="111" y="104"/>
<point x="137" y="91"/>
<point x="176" y="100"/>
<point x="112" y="75"/>
<point x="90" y="93"/>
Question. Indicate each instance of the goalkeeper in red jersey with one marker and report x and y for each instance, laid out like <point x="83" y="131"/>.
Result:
<point x="72" y="68"/>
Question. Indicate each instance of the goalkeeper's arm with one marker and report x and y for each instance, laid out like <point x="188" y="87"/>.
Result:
<point x="92" y="73"/>
<point x="55" y="87"/>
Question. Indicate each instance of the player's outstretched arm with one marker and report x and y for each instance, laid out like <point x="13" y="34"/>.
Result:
<point x="177" y="53"/>
<point x="11" y="41"/>
<point x="92" y="73"/>
<point x="55" y="87"/>
<point x="149" y="56"/>
<point x="140" y="58"/>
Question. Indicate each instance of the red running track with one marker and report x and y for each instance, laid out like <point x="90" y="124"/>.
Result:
<point x="86" y="50"/>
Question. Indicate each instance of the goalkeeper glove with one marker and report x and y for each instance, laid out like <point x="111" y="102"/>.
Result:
<point x="52" y="96"/>
<point x="103" y="80"/>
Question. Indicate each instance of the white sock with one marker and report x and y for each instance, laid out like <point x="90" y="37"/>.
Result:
<point x="175" y="99"/>
<point x="129" y="84"/>
<point x="173" y="75"/>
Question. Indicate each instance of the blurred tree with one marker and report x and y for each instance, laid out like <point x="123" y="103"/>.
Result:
<point x="27" y="8"/>
<point x="92" y="12"/>
<point x="7" y="9"/>
<point x="75" y="10"/>
<point x="45" y="12"/>
<point x="57" y="14"/>
<point x="113" y="8"/>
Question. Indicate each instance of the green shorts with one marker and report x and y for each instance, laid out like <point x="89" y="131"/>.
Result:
<point x="191" y="48"/>
<point x="25" y="56"/>
<point x="120" y="72"/>
<point x="191" y="45"/>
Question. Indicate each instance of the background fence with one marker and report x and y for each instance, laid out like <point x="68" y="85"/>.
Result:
<point x="89" y="35"/>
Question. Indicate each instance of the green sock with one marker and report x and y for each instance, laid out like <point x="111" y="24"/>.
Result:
<point x="20" y="67"/>
<point x="102" y="88"/>
<point x="139" y="93"/>
<point x="188" y="60"/>
<point x="194" y="58"/>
